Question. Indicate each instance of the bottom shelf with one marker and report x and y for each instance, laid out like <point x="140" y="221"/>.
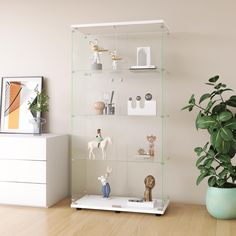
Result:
<point x="113" y="203"/>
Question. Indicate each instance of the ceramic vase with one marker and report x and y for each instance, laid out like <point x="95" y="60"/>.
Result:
<point x="99" y="107"/>
<point x="221" y="202"/>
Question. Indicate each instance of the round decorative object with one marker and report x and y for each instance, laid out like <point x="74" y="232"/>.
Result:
<point x="221" y="202"/>
<point x="138" y="98"/>
<point x="148" y="96"/>
<point x="130" y="99"/>
<point x="99" y="107"/>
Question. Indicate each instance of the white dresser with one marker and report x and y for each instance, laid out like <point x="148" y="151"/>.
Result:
<point x="34" y="170"/>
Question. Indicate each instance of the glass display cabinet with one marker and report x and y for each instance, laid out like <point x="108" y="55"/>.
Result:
<point x="118" y="117"/>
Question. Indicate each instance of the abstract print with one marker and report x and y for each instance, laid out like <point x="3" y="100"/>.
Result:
<point x="16" y="93"/>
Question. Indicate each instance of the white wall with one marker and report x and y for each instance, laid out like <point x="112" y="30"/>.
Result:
<point x="35" y="40"/>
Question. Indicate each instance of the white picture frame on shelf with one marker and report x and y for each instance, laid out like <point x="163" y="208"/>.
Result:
<point x="143" y="60"/>
<point x="143" y="56"/>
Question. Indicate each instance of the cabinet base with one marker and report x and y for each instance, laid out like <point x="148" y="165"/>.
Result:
<point x="117" y="204"/>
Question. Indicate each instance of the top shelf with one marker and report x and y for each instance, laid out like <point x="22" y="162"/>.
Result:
<point x="123" y="27"/>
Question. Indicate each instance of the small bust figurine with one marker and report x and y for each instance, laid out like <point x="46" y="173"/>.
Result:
<point x="149" y="182"/>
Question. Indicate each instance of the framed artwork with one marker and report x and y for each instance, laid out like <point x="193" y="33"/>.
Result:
<point x="16" y="92"/>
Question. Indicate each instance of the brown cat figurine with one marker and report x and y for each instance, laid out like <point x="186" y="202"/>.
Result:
<point x="151" y="139"/>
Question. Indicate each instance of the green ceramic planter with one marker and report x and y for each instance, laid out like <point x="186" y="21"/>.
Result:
<point x="221" y="202"/>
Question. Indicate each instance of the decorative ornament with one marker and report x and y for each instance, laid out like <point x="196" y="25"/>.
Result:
<point x="106" y="189"/>
<point x="141" y="151"/>
<point x="97" y="50"/>
<point x="149" y="182"/>
<point x="114" y="58"/>
<point x="151" y="139"/>
<point x="100" y="143"/>
<point x="99" y="107"/>
<point x="148" y="96"/>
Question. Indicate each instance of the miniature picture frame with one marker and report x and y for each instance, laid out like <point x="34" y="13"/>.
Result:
<point x="143" y="56"/>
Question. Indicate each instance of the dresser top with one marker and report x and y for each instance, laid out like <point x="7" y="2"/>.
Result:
<point x="42" y="136"/>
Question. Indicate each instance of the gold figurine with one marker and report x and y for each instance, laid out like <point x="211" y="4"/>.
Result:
<point x="97" y="50"/>
<point x="114" y="58"/>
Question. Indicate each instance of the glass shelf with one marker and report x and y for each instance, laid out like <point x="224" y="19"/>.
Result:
<point x="150" y="161"/>
<point x="125" y="73"/>
<point x="74" y="116"/>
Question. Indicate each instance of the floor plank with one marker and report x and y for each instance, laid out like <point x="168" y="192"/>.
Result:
<point x="61" y="220"/>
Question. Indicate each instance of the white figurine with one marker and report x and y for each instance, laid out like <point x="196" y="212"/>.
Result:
<point x="106" y="189"/>
<point x="102" y="145"/>
<point x="102" y="178"/>
<point x="96" y="61"/>
<point x="96" y="57"/>
<point x="114" y="59"/>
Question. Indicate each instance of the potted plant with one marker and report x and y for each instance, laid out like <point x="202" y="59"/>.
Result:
<point x="37" y="106"/>
<point x="216" y="115"/>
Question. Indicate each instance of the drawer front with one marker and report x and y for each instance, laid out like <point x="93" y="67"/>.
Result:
<point x="23" y="194"/>
<point x="23" y="171"/>
<point x="28" y="148"/>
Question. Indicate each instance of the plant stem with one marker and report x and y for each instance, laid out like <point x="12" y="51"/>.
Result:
<point x="221" y="98"/>
<point x="228" y="177"/>
<point x="201" y="108"/>
<point x="217" y="161"/>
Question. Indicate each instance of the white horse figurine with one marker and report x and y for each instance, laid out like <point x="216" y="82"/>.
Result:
<point x="103" y="146"/>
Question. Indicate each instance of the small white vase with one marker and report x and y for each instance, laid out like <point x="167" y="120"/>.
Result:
<point x="37" y="123"/>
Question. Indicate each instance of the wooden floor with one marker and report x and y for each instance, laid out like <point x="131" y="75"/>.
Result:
<point x="180" y="219"/>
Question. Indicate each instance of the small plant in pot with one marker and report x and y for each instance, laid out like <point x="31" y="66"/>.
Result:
<point x="37" y="106"/>
<point x="215" y="160"/>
